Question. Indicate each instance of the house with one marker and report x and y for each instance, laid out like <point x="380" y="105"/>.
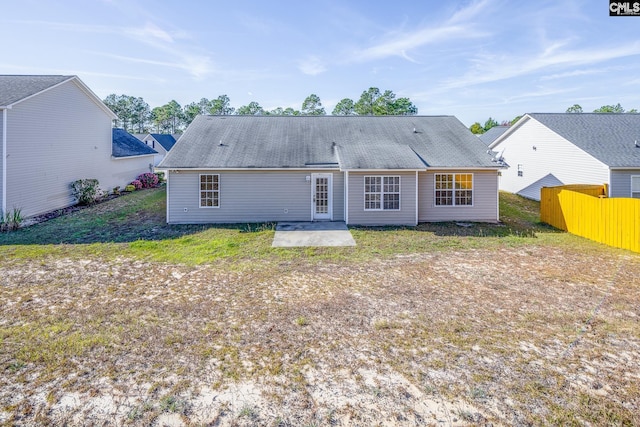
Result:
<point x="492" y="134"/>
<point x="548" y="149"/>
<point x="385" y="170"/>
<point x="53" y="131"/>
<point x="130" y="156"/>
<point x="160" y="142"/>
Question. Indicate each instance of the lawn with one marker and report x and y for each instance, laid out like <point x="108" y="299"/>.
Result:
<point x="111" y="316"/>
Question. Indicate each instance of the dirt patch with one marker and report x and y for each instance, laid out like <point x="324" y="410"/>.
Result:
<point x="511" y="336"/>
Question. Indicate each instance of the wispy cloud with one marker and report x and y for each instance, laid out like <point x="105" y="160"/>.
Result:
<point x="312" y="66"/>
<point x="577" y="73"/>
<point x="168" y="43"/>
<point x="492" y="68"/>
<point x="459" y="26"/>
<point x="150" y="33"/>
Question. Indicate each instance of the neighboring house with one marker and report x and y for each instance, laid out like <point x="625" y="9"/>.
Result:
<point x="161" y="142"/>
<point x="131" y="157"/>
<point x="492" y="134"/>
<point x="546" y="149"/>
<point x="386" y="170"/>
<point x="53" y="131"/>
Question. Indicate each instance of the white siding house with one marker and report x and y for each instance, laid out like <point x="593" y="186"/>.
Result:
<point x="392" y="170"/>
<point x="55" y="130"/>
<point x="160" y="142"/>
<point x="544" y="150"/>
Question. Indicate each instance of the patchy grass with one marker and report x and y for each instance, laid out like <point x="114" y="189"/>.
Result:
<point x="134" y="226"/>
<point x="123" y="319"/>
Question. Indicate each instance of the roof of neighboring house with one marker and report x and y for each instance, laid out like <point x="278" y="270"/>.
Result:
<point x="492" y="134"/>
<point x="18" y="88"/>
<point x="609" y="137"/>
<point x="166" y="140"/>
<point x="350" y="142"/>
<point x="127" y="145"/>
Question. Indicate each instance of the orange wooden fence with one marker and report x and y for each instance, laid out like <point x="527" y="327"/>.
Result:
<point x="585" y="210"/>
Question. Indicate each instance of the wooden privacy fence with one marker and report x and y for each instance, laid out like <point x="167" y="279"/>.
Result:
<point x="585" y="210"/>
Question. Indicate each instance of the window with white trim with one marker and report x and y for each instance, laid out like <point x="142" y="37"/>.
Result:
<point x="381" y="193"/>
<point x="454" y="189"/>
<point x="209" y="190"/>
<point x="635" y="187"/>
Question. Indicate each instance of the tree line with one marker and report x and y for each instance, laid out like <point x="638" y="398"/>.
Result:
<point x="478" y="128"/>
<point x="136" y="116"/>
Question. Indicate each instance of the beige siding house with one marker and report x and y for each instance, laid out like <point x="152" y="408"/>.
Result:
<point x="548" y="149"/>
<point x="55" y="130"/>
<point x="392" y="170"/>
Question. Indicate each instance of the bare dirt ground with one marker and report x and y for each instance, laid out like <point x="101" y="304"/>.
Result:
<point x="530" y="335"/>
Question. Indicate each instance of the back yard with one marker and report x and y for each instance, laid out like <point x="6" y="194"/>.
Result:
<point x="109" y="317"/>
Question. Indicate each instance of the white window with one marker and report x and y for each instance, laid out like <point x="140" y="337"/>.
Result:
<point x="210" y="191"/>
<point x="381" y="193"/>
<point x="454" y="189"/>
<point x="635" y="187"/>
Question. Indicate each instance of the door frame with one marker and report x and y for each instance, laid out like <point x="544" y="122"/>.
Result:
<point x="329" y="214"/>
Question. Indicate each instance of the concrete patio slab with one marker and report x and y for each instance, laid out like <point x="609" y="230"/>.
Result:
<point x="294" y="234"/>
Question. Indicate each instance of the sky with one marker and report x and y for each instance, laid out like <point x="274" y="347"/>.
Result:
<point x="470" y="59"/>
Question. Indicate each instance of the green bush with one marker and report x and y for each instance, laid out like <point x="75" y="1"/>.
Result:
<point x="86" y="191"/>
<point x="130" y="188"/>
<point x="11" y="220"/>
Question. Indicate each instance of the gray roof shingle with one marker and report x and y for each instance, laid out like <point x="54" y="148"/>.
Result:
<point x="358" y="142"/>
<point x="17" y="88"/>
<point x="126" y="145"/>
<point x="166" y="140"/>
<point x="492" y="134"/>
<point x="609" y="138"/>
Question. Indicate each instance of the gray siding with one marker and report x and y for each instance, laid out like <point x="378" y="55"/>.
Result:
<point x="405" y="216"/>
<point x="621" y="182"/>
<point x="2" y="112"/>
<point x="338" y="196"/>
<point x="248" y="196"/>
<point x="485" y="199"/>
<point x="53" y="139"/>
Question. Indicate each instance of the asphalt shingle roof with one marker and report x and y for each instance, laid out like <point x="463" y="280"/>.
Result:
<point x="127" y="145"/>
<point x="16" y="88"/>
<point x="609" y="138"/>
<point x="166" y="140"/>
<point x="492" y="134"/>
<point x="357" y="142"/>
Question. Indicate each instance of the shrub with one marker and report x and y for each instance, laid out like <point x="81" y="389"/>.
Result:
<point x="137" y="184"/>
<point x="130" y="188"/>
<point x="116" y="190"/>
<point x="160" y="176"/>
<point x="86" y="191"/>
<point x="11" y="220"/>
<point x="148" y="180"/>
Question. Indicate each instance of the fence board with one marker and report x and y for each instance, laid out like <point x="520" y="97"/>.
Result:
<point x="585" y="210"/>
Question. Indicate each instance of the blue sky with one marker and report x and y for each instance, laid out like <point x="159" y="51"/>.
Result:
<point x="471" y="59"/>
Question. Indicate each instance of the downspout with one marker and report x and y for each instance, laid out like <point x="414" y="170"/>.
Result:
<point x="167" y="173"/>
<point x="416" y="199"/>
<point x="4" y="162"/>
<point x="346" y="197"/>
